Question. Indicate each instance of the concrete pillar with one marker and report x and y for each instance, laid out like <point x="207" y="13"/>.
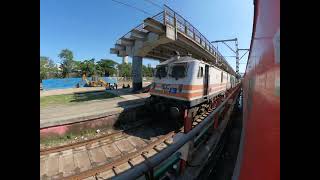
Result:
<point x="125" y="60"/>
<point x="136" y="73"/>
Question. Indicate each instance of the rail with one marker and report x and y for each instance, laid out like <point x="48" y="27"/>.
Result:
<point x="155" y="160"/>
<point x="172" y="18"/>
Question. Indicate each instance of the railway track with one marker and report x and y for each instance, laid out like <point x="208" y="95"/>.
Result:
<point x="110" y="155"/>
<point x="107" y="156"/>
<point x="78" y="160"/>
<point x="131" y="127"/>
<point x="127" y="161"/>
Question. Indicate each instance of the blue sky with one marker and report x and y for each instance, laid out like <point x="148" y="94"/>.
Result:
<point x="90" y="28"/>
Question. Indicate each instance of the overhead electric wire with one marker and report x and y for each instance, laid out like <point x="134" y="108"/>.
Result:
<point x="132" y="7"/>
<point x="155" y="4"/>
<point x="243" y="55"/>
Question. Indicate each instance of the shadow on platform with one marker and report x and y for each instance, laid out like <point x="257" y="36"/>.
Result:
<point x="94" y="95"/>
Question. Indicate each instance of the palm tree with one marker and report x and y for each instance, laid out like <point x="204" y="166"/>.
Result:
<point x="106" y="67"/>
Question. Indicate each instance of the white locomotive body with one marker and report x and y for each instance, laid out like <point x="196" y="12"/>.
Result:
<point x="188" y="81"/>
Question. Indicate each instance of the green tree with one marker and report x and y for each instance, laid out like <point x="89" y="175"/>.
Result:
<point x="47" y="68"/>
<point x="106" y="67"/>
<point x="68" y="63"/>
<point x="88" y="67"/>
<point x="147" y="71"/>
<point x="43" y="69"/>
<point x="77" y="68"/>
<point x="125" y="70"/>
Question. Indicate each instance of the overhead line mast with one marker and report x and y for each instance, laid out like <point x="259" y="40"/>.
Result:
<point x="236" y="51"/>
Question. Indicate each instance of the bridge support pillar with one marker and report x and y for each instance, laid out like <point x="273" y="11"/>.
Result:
<point x="136" y="73"/>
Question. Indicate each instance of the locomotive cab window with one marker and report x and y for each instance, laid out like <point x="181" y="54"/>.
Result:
<point x="161" y="71"/>
<point x="178" y="71"/>
<point x="200" y="72"/>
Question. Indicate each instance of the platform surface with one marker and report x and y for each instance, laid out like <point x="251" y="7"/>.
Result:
<point x="65" y="114"/>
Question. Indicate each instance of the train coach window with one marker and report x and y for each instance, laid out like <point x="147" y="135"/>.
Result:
<point x="200" y="72"/>
<point x="161" y="71"/>
<point x="178" y="71"/>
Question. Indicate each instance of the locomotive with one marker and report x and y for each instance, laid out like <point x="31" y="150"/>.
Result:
<point x="185" y="82"/>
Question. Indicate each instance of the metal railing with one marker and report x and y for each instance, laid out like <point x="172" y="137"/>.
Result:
<point x="183" y="26"/>
<point x="170" y="17"/>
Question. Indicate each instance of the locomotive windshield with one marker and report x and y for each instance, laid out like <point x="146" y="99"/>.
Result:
<point x="178" y="71"/>
<point x="161" y="71"/>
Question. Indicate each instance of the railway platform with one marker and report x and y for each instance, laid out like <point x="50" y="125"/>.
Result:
<point x="67" y="114"/>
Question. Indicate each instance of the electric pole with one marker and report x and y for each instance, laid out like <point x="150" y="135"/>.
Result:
<point x="237" y="57"/>
<point x="236" y="51"/>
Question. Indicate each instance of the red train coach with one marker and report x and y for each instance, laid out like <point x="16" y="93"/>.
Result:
<point x="259" y="153"/>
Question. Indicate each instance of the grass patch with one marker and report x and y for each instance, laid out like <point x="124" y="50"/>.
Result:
<point x="67" y="138"/>
<point x="74" y="98"/>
